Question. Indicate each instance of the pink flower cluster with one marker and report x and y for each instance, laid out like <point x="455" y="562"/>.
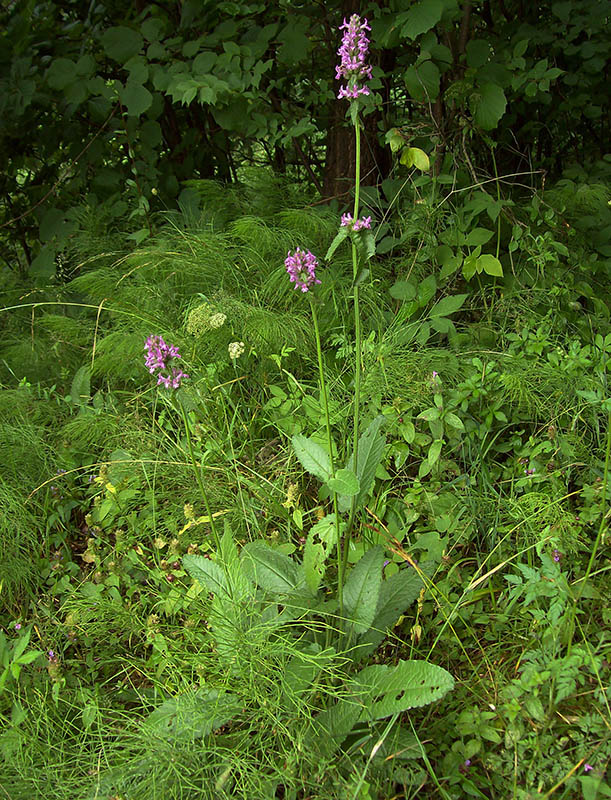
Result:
<point x="301" y="268"/>
<point x="353" y="52"/>
<point x="158" y="354"/>
<point x="355" y="224"/>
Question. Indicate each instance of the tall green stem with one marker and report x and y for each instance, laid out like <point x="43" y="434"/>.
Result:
<point x="325" y="400"/>
<point x="198" y="475"/>
<point x="358" y="365"/>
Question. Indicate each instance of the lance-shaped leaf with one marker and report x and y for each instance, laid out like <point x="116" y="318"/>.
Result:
<point x="362" y="590"/>
<point x="271" y="570"/>
<point x="409" y="684"/>
<point x="371" y="450"/>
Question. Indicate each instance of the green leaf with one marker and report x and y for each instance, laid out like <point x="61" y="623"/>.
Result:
<point x="326" y="531"/>
<point x="61" y="73"/>
<point x="312" y="457"/>
<point x="415" y="157"/>
<point x="488" y="105"/>
<point x="409" y="684"/>
<point x="21" y="645"/>
<point x="435" y="451"/>
<point x="344" y="482"/>
<point x="207" y="572"/>
<point x="448" y="305"/>
<point x="362" y="590"/>
<point x="121" y="43"/>
<point x="422" y="82"/>
<point x="454" y="421"/>
<point x="403" y="290"/>
<point x="339" y="238"/>
<point x="80" y="390"/>
<point x="238" y="585"/>
<point x="421" y="17"/>
<point x="490" y="265"/>
<point x="271" y="570"/>
<point x="314" y="556"/>
<point x="136" y="98"/>
<point x="429" y="414"/>
<point x="427" y="289"/>
<point x="191" y="716"/>
<point x="396" y="595"/>
<point x="370" y="452"/>
<point x="478" y="236"/>
<point x="478" y="52"/>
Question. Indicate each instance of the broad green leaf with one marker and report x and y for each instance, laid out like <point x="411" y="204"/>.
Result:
<point x="314" y="556"/>
<point x="478" y="52"/>
<point x="415" y="157"/>
<point x="121" y="43"/>
<point x="403" y="290"/>
<point x="469" y="267"/>
<point x="396" y="596"/>
<point x="207" y="572"/>
<point x="370" y="452"/>
<point x="422" y="82"/>
<point x="80" y="390"/>
<point x="409" y="684"/>
<point x="429" y="414"/>
<point x="238" y="585"/>
<point x="421" y="17"/>
<point x="454" y="421"/>
<point x="491" y="265"/>
<point x="21" y="644"/>
<point x="427" y="289"/>
<point x="325" y="529"/>
<point x="448" y="305"/>
<point x="334" y="724"/>
<point x="478" y="236"/>
<point x="270" y="569"/>
<point x="191" y="716"/>
<point x="344" y="482"/>
<point x="362" y="590"/>
<point x="61" y="73"/>
<point x="136" y="98"/>
<point x="312" y="457"/>
<point x="488" y="105"/>
<point x="435" y="451"/>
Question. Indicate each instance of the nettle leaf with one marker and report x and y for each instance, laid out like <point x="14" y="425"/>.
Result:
<point x="421" y="17"/>
<point x="312" y="457"/>
<point x="488" y="105"/>
<point x="121" y="43"/>
<point x="409" y="684"/>
<point x="271" y="570"/>
<point x="344" y="482"/>
<point x="490" y="265"/>
<point x="207" y="572"/>
<point x="362" y="590"/>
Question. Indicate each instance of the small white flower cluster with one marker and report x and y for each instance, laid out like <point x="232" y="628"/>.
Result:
<point x="235" y="350"/>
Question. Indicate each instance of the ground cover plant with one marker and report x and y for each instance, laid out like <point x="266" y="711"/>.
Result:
<point x="311" y="500"/>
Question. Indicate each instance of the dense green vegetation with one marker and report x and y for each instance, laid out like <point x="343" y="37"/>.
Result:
<point x="360" y="550"/>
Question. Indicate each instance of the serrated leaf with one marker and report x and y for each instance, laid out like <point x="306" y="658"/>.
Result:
<point x="491" y="265"/>
<point x="362" y="590"/>
<point x="271" y="570"/>
<point x="409" y="684"/>
<point x="344" y="482"/>
<point x="207" y="572"/>
<point x="312" y="457"/>
<point x="339" y="238"/>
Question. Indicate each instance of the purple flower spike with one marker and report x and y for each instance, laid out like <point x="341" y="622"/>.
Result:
<point x="301" y="268"/>
<point x="353" y="52"/>
<point x="158" y="355"/>
<point x="355" y="224"/>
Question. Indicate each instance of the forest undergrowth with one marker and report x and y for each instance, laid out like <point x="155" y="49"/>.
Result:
<point x="170" y="556"/>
